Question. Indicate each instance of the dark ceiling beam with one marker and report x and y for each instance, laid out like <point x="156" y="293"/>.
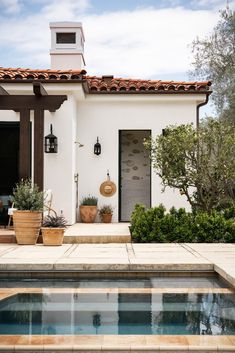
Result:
<point x="18" y="102"/>
<point x="3" y="92"/>
<point x="39" y="90"/>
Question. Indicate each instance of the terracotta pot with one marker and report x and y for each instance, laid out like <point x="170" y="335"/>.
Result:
<point x="52" y="236"/>
<point x="106" y="217"/>
<point x="88" y="213"/>
<point x="27" y="226"/>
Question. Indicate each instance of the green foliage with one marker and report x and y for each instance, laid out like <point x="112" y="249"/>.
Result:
<point x="89" y="201"/>
<point x="229" y="212"/>
<point x="55" y="222"/>
<point x="199" y="162"/>
<point x="155" y="225"/>
<point x="214" y="59"/>
<point x="27" y="197"/>
<point x="213" y="228"/>
<point x="106" y="209"/>
<point x="145" y="222"/>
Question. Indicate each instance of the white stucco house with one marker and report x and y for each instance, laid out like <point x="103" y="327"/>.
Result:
<point x="80" y="108"/>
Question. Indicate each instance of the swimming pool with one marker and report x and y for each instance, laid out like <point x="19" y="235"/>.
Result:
<point x="113" y="311"/>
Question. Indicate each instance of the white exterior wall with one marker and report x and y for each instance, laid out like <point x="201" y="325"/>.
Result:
<point x="59" y="168"/>
<point x="82" y="119"/>
<point x="104" y="116"/>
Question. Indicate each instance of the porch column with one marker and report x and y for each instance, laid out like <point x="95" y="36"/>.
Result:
<point x="25" y="148"/>
<point x="39" y="147"/>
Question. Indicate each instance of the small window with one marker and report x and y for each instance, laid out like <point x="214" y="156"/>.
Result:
<point x="66" y="38"/>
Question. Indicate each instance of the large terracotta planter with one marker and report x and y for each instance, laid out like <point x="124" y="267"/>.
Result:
<point x="27" y="225"/>
<point x="52" y="236"/>
<point x="88" y="213"/>
<point x="106" y="217"/>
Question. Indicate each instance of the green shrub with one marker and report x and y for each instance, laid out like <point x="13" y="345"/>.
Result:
<point x="145" y="223"/>
<point x="213" y="228"/>
<point x="155" y="225"/>
<point x="177" y="226"/>
<point x="229" y="213"/>
<point x="27" y="197"/>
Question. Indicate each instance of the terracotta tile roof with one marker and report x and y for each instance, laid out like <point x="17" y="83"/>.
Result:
<point x="29" y="74"/>
<point x="108" y="84"/>
<point x="105" y="84"/>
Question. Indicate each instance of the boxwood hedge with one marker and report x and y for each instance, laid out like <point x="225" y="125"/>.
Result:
<point x="157" y="225"/>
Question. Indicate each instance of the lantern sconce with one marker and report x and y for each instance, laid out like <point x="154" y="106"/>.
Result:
<point x="97" y="147"/>
<point x="51" y="142"/>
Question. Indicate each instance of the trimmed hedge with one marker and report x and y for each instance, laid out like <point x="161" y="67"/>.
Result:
<point x="155" y="225"/>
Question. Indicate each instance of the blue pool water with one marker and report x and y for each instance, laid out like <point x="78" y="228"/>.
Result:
<point x="118" y="313"/>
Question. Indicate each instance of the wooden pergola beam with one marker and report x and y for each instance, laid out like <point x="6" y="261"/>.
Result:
<point x="25" y="141"/>
<point x="39" y="147"/>
<point x="18" y="102"/>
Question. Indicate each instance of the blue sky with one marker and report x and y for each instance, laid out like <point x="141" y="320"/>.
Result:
<point x="127" y="38"/>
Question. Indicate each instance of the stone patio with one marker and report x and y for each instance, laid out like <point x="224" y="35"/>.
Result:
<point x="121" y="257"/>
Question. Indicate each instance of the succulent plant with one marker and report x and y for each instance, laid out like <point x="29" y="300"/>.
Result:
<point x="89" y="201"/>
<point x="55" y="222"/>
<point x="106" y="209"/>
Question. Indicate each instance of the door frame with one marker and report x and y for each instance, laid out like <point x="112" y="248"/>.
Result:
<point x="120" y="171"/>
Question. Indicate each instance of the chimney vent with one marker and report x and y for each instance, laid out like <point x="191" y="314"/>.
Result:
<point x="107" y="78"/>
<point x="67" y="46"/>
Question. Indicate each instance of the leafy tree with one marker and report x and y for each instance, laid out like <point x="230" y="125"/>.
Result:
<point x="199" y="162"/>
<point x="214" y="59"/>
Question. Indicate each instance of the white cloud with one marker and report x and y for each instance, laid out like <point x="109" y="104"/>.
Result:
<point x="10" y="6"/>
<point x="65" y="9"/>
<point x="142" y="43"/>
<point x="215" y="4"/>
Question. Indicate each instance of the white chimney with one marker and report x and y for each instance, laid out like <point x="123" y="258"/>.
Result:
<point x="67" y="46"/>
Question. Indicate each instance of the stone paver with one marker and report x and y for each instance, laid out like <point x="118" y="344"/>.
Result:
<point x="116" y="343"/>
<point x="120" y="257"/>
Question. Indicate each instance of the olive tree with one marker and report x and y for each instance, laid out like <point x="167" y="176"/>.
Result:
<point x="214" y="59"/>
<point x="200" y="163"/>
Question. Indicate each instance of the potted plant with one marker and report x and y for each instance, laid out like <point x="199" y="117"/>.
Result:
<point x="105" y="213"/>
<point x="88" y="209"/>
<point x="27" y="219"/>
<point x="53" y="230"/>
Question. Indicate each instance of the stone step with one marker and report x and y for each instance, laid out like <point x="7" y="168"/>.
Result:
<point x="7" y="236"/>
<point x="99" y="233"/>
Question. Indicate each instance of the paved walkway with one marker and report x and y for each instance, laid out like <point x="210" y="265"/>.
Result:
<point x="120" y="257"/>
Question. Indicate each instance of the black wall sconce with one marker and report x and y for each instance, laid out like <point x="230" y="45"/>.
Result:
<point x="97" y="147"/>
<point x="51" y="142"/>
